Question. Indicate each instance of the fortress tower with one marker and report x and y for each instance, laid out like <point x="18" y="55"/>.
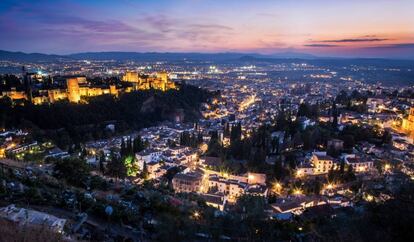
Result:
<point x="130" y="76"/>
<point x="73" y="90"/>
<point x="113" y="90"/>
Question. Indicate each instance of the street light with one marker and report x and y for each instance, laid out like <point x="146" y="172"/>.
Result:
<point x="297" y="191"/>
<point x="276" y="187"/>
<point x="329" y="186"/>
<point x="196" y="215"/>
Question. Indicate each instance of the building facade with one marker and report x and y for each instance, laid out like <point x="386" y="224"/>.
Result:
<point x="408" y="123"/>
<point x="187" y="182"/>
<point x="322" y="162"/>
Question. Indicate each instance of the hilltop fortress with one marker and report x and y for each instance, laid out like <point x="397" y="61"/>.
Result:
<point x="74" y="88"/>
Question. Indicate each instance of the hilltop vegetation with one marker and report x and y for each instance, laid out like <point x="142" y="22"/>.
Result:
<point x="66" y="122"/>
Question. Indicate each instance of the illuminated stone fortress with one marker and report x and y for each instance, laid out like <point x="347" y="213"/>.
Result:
<point x="408" y="123"/>
<point x="159" y="81"/>
<point x="77" y="87"/>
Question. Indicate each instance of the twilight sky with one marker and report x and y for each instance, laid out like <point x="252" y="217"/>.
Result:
<point x="366" y="28"/>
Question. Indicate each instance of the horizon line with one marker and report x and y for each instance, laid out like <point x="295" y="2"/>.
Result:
<point x="267" y="55"/>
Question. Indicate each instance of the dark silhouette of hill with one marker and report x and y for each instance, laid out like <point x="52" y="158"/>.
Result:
<point x="32" y="57"/>
<point x="145" y="56"/>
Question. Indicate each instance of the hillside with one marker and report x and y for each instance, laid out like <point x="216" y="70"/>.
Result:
<point x="66" y="122"/>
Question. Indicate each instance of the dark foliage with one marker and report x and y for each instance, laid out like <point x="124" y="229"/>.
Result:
<point x="68" y="123"/>
<point x="74" y="170"/>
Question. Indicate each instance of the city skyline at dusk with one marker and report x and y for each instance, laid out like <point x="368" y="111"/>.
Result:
<point x="322" y="28"/>
<point x="206" y="120"/>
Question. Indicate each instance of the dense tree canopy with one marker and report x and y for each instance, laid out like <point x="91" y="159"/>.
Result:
<point x="68" y="123"/>
<point x="74" y="170"/>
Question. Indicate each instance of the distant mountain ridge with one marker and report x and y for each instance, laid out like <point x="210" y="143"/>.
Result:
<point x="21" y="56"/>
<point x="189" y="56"/>
<point x="159" y="56"/>
<point x="155" y="56"/>
<point x="146" y="56"/>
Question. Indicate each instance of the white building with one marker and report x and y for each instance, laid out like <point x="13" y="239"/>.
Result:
<point x="147" y="156"/>
<point x="32" y="217"/>
<point x="229" y="187"/>
<point x="235" y="186"/>
<point x="358" y="164"/>
<point x="304" y="169"/>
<point x="375" y="104"/>
<point x="322" y="162"/>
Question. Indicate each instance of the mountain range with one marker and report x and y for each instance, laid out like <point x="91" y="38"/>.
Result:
<point x="146" y="56"/>
<point x="224" y="57"/>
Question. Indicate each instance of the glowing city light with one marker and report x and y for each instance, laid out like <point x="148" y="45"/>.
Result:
<point x="369" y="198"/>
<point x="276" y="187"/>
<point x="196" y="215"/>
<point x="297" y="191"/>
<point x="329" y="186"/>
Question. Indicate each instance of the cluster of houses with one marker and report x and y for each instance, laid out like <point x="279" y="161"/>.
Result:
<point x="14" y="143"/>
<point x="220" y="190"/>
<point x="320" y="163"/>
<point x="285" y="208"/>
<point x="159" y="155"/>
<point x="158" y="161"/>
